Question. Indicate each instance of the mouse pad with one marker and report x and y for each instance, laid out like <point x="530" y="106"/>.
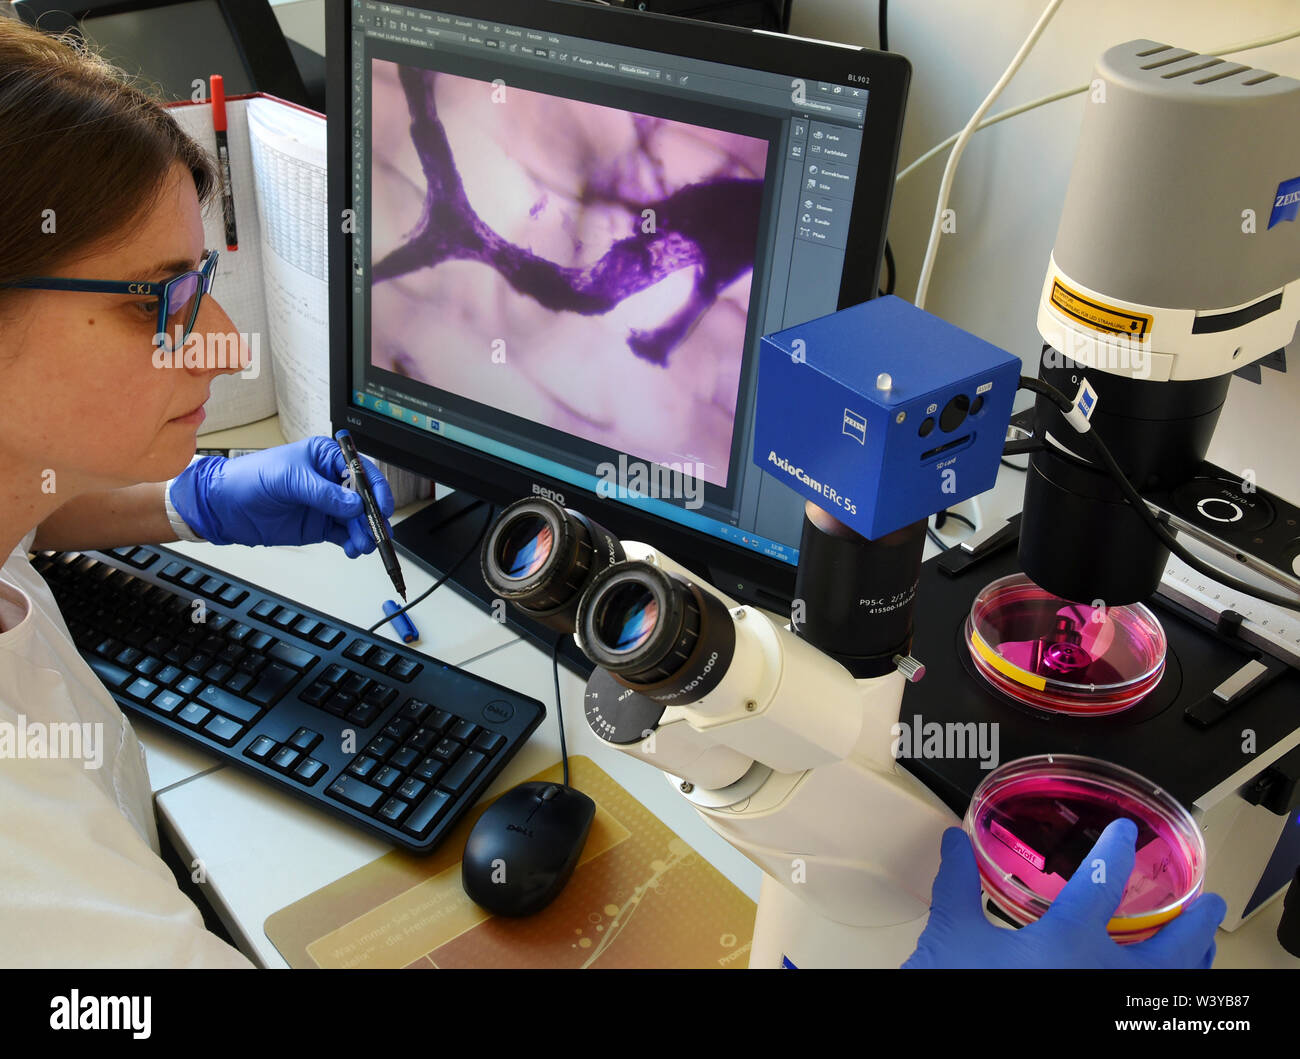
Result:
<point x="640" y="897"/>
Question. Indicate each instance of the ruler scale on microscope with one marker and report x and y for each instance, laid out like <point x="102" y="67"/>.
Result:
<point x="1266" y="626"/>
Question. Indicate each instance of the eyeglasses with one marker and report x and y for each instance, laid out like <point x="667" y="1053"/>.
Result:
<point x="179" y="298"/>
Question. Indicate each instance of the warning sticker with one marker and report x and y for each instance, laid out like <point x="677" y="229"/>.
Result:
<point x="1099" y="316"/>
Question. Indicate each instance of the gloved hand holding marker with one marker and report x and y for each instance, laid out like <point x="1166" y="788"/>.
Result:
<point x="376" y="520"/>
<point x="290" y="494"/>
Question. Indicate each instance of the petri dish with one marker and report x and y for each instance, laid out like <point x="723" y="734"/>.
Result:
<point x="1060" y="656"/>
<point x="1034" y="820"/>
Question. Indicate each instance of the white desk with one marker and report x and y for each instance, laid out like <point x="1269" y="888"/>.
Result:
<point x="262" y="850"/>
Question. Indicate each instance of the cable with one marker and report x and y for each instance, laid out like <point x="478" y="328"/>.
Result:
<point x="884" y="25"/>
<point x="938" y="149"/>
<point x="1003" y="115"/>
<point x="440" y="582"/>
<point x="950" y="170"/>
<point x="889" y="263"/>
<point x="941" y="517"/>
<point x="1007" y="463"/>
<point x="1140" y="506"/>
<point x="559" y="708"/>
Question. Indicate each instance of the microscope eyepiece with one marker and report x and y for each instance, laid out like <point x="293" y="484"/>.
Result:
<point x="541" y="557"/>
<point x="658" y="633"/>
<point x="525" y="547"/>
<point x="629" y="614"/>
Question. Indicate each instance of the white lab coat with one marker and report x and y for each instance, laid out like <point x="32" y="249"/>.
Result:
<point x="81" y="880"/>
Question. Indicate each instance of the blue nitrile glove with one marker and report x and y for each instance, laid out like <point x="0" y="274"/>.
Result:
<point x="290" y="494"/>
<point x="1073" y="932"/>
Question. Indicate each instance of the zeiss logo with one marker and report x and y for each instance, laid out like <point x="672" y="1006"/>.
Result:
<point x="1286" y="204"/>
<point x="1086" y="402"/>
<point x="550" y="494"/>
<point x="855" y="426"/>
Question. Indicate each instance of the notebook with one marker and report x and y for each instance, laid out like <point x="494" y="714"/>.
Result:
<point x="275" y="286"/>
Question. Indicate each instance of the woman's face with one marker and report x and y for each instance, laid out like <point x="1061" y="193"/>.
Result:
<point x="82" y="394"/>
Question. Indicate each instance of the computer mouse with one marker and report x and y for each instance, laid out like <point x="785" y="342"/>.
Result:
<point x="524" y="847"/>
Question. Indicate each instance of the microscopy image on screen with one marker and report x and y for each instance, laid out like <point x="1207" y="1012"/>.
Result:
<point x="582" y="267"/>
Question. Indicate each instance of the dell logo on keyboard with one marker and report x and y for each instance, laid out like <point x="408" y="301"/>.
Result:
<point x="498" y="712"/>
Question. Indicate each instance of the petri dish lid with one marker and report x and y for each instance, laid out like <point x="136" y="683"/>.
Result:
<point x="1033" y="821"/>
<point x="1061" y="656"/>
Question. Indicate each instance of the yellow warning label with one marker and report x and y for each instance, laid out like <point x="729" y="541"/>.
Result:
<point x="1098" y="315"/>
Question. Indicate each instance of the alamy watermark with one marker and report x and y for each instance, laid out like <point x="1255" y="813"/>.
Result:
<point x="1115" y="352"/>
<point x="950" y="741"/>
<point x="93" y="1012"/>
<point x="210" y="352"/>
<point x="632" y="479"/>
<point x="57" y="739"/>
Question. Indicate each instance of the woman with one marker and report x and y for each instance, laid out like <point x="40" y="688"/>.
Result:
<point x="100" y="184"/>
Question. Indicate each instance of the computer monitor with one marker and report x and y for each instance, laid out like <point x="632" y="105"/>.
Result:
<point x="562" y="230"/>
<point x="174" y="43"/>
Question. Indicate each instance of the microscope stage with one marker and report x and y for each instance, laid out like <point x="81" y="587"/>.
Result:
<point x="1153" y="737"/>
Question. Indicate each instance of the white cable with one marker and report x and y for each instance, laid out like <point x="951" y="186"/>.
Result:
<point x="950" y="171"/>
<point x="938" y="149"/>
<point x="1002" y="115"/>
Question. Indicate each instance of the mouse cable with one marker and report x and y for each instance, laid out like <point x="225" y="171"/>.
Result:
<point x="441" y="581"/>
<point x="559" y="709"/>
<point x="1140" y="506"/>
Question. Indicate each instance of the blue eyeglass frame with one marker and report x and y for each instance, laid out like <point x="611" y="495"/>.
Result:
<point x="207" y="272"/>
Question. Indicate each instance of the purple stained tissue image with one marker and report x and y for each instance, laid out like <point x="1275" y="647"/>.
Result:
<point x="580" y="266"/>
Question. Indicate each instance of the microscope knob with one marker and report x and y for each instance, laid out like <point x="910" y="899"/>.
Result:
<point x="618" y="714"/>
<point x="909" y="667"/>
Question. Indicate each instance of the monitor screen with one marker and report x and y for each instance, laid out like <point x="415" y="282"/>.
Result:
<point x="148" y="40"/>
<point x="570" y="229"/>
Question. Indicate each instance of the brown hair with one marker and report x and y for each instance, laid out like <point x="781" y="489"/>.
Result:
<point x="79" y="138"/>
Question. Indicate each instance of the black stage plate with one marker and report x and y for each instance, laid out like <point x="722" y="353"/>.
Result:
<point x="1152" y="738"/>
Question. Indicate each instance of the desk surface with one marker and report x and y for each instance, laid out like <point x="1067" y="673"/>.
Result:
<point x="262" y="850"/>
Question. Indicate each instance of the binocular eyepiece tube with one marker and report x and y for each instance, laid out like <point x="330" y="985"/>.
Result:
<point x="541" y="557"/>
<point x="654" y="629"/>
<point x="726" y="678"/>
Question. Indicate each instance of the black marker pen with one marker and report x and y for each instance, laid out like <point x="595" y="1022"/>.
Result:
<point x="374" y="518"/>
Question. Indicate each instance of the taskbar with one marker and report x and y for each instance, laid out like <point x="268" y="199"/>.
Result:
<point x="529" y="461"/>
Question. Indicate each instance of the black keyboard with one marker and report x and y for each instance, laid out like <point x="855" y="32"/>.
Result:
<point x="391" y="741"/>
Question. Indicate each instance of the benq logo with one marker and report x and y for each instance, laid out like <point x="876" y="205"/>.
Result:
<point x="550" y="494"/>
<point x="1286" y="203"/>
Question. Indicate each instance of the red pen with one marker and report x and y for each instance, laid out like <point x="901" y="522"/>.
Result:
<point x="223" y="160"/>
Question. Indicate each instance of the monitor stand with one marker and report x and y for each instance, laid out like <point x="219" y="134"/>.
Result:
<point x="439" y="535"/>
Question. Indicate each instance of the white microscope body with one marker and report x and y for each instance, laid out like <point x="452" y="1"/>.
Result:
<point x="789" y="758"/>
